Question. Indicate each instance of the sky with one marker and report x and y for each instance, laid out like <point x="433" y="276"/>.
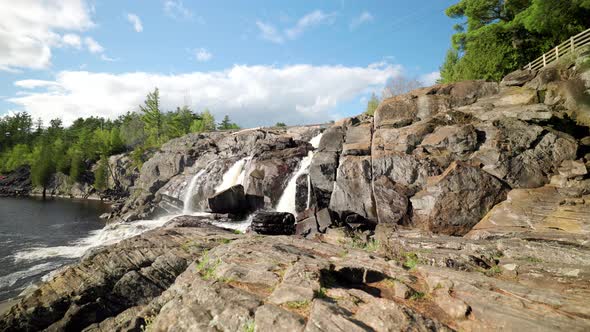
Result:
<point x="260" y="62"/>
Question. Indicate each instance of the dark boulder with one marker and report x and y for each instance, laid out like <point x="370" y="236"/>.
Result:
<point x="231" y="200"/>
<point x="273" y="223"/>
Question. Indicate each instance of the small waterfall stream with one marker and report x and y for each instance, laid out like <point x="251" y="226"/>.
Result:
<point x="287" y="200"/>
<point x="187" y="199"/>
<point x="234" y="175"/>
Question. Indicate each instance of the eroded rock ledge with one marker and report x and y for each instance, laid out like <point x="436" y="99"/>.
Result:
<point x="192" y="276"/>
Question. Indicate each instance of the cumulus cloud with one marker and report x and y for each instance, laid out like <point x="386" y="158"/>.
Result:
<point x="430" y="78"/>
<point x="136" y="21"/>
<point x="312" y="19"/>
<point x="364" y="17"/>
<point x="203" y="55"/>
<point x="250" y="95"/>
<point x="29" y="29"/>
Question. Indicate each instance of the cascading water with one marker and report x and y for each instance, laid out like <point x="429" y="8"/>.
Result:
<point x="235" y="175"/>
<point x="188" y="197"/>
<point x="287" y="200"/>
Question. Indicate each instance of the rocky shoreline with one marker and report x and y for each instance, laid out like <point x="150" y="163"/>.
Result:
<point x="461" y="207"/>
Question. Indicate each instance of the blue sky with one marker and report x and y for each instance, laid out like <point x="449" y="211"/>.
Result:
<point x="258" y="61"/>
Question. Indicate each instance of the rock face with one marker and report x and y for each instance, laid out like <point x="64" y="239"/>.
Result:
<point x="457" y="199"/>
<point x="273" y="223"/>
<point x="17" y="183"/>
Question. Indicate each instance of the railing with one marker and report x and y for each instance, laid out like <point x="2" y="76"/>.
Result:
<point x="563" y="49"/>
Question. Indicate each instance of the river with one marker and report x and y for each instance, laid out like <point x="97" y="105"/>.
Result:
<point x="29" y="226"/>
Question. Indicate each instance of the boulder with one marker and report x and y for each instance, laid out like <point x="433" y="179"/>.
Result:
<point x="358" y="140"/>
<point x="391" y="201"/>
<point x="332" y="140"/>
<point x="322" y="170"/>
<point x="231" y="200"/>
<point x="518" y="78"/>
<point x="273" y="223"/>
<point x="353" y="189"/>
<point x="455" y="201"/>
<point x="302" y="192"/>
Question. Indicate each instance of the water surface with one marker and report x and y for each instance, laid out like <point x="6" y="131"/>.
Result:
<point x="29" y="225"/>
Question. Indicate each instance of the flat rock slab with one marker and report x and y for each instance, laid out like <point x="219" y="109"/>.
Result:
<point x="536" y="210"/>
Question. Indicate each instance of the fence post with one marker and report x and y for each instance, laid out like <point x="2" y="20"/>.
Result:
<point x="544" y="60"/>
<point x="557" y="52"/>
<point x="572" y="44"/>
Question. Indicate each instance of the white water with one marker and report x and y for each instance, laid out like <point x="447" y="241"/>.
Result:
<point x="234" y="175"/>
<point x="188" y="192"/>
<point x="110" y="234"/>
<point x="287" y="200"/>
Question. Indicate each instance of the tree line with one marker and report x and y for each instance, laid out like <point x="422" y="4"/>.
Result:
<point x="72" y="150"/>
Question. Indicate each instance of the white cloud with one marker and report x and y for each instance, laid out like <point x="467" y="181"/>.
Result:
<point x="269" y="33"/>
<point x="93" y="45"/>
<point x="364" y="17"/>
<point x="136" y="21"/>
<point x="175" y="9"/>
<point x="72" y="39"/>
<point x="312" y="19"/>
<point x="203" y="55"/>
<point x="250" y="95"/>
<point x="430" y="78"/>
<point x="105" y="57"/>
<point x="29" y="29"/>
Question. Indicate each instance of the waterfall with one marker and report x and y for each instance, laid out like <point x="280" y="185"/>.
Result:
<point x="234" y="175"/>
<point x="186" y="202"/>
<point x="287" y="200"/>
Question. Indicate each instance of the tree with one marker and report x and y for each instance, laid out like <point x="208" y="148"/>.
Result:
<point x="280" y="124"/>
<point x="101" y="174"/>
<point x="42" y="165"/>
<point x="153" y="118"/>
<point x="399" y="86"/>
<point x="226" y="124"/>
<point x="204" y="122"/>
<point x="372" y="104"/>
<point x="499" y="36"/>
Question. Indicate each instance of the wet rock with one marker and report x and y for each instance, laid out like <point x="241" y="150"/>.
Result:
<point x="302" y="193"/>
<point x="16" y="183"/>
<point x="273" y="223"/>
<point x="455" y="201"/>
<point x="231" y="200"/>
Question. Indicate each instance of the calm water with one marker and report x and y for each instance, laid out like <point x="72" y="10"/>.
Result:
<point x="30" y="231"/>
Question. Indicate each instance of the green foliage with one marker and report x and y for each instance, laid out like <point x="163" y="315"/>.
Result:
<point x="249" y="326"/>
<point x="280" y="124"/>
<point x="411" y="260"/>
<point x="42" y="164"/>
<point x="499" y="36"/>
<point x="101" y="174"/>
<point x="205" y="123"/>
<point x="417" y="296"/>
<point x="153" y="118"/>
<point x="226" y="124"/>
<point x="372" y="104"/>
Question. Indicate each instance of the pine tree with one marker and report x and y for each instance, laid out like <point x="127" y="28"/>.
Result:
<point x="152" y="117"/>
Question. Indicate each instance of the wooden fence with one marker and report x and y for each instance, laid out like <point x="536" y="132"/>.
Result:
<point x="567" y="47"/>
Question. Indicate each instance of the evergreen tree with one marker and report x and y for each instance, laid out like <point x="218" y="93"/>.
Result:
<point x="153" y="118"/>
